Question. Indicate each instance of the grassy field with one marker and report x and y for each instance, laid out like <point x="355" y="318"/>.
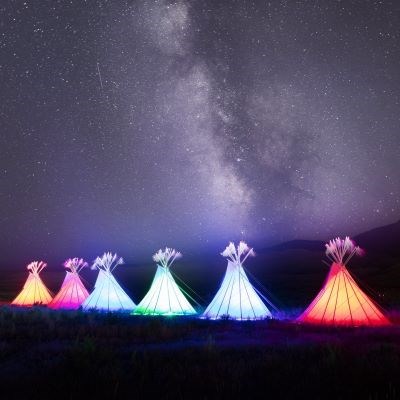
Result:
<point x="63" y="355"/>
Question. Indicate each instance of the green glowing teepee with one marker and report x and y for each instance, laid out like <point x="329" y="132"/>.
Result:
<point x="164" y="297"/>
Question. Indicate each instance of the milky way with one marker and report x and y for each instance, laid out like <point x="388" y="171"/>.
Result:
<point x="134" y="125"/>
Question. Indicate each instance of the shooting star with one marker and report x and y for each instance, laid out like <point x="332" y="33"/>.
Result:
<point x="101" y="82"/>
<point x="101" y="85"/>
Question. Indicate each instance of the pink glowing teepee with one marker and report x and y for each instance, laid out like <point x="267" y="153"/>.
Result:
<point x="72" y="293"/>
<point x="341" y="301"/>
<point x="34" y="291"/>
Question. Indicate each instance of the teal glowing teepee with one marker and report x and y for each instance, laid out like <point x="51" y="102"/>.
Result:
<point x="108" y="295"/>
<point x="237" y="298"/>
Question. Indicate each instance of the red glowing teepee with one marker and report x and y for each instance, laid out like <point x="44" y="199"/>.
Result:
<point x="72" y="293"/>
<point x="341" y="301"/>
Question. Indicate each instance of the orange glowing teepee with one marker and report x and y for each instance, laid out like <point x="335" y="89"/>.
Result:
<point x="72" y="293"/>
<point x="341" y="301"/>
<point x="34" y="290"/>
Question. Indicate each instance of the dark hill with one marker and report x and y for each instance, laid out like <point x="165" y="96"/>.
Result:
<point x="385" y="239"/>
<point x="310" y="245"/>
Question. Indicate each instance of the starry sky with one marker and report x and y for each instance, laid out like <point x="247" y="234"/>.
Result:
<point x="131" y="125"/>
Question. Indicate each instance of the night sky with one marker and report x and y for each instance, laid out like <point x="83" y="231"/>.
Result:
<point x="131" y="125"/>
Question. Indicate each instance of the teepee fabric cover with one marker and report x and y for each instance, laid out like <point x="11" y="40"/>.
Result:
<point x="108" y="295"/>
<point x="164" y="296"/>
<point x="341" y="301"/>
<point x="72" y="293"/>
<point x="237" y="298"/>
<point x="34" y="290"/>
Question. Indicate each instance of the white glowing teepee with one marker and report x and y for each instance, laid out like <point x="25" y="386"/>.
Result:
<point x="72" y="293"/>
<point x="165" y="297"/>
<point x="108" y="295"/>
<point x="341" y="301"/>
<point x="237" y="298"/>
<point x="34" y="291"/>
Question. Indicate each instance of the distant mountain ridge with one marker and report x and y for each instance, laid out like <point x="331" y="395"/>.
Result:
<point x="298" y="244"/>
<point x="384" y="239"/>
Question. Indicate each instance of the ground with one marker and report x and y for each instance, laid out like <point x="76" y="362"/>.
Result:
<point x="65" y="355"/>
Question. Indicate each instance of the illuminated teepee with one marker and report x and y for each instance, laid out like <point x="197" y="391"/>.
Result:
<point x="108" y="295"/>
<point x="34" y="290"/>
<point x="72" y="293"/>
<point x="164" y="297"/>
<point x="341" y="301"/>
<point x="237" y="298"/>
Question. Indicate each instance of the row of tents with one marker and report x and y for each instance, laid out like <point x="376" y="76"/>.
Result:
<point x="340" y="301"/>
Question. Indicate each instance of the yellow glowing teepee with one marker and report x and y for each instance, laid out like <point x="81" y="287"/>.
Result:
<point x="34" y="290"/>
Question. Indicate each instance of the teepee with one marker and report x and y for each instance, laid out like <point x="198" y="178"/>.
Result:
<point x="34" y="291"/>
<point x="108" y="295"/>
<point x="341" y="301"/>
<point x="165" y="297"/>
<point x="237" y="298"/>
<point x="72" y="293"/>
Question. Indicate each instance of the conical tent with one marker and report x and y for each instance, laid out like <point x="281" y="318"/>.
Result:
<point x="237" y="298"/>
<point x="108" y="295"/>
<point x="164" y="297"/>
<point x="34" y="290"/>
<point x="72" y="292"/>
<point x="341" y="301"/>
